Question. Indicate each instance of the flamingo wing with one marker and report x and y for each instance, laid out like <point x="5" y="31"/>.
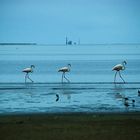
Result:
<point x="27" y="70"/>
<point x="118" y="67"/>
<point x="63" y="69"/>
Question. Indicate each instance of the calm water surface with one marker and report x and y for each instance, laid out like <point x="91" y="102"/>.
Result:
<point x="91" y="88"/>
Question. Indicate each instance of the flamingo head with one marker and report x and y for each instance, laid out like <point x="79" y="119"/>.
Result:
<point x="32" y="66"/>
<point x="69" y="65"/>
<point x="124" y="62"/>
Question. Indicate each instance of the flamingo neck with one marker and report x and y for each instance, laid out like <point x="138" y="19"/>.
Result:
<point x="31" y="69"/>
<point x="123" y="65"/>
<point x="68" y="68"/>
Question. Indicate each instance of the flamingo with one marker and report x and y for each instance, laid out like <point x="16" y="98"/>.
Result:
<point x="118" y="68"/>
<point x="27" y="71"/>
<point x="64" y="70"/>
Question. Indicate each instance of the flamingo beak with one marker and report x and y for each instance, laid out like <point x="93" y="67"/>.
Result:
<point x="125" y="62"/>
<point x="33" y="66"/>
<point x="69" y="65"/>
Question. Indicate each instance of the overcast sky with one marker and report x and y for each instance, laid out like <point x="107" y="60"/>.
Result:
<point x="50" y="21"/>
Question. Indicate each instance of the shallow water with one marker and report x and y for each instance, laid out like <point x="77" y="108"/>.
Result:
<point x="91" y="88"/>
<point x="73" y="97"/>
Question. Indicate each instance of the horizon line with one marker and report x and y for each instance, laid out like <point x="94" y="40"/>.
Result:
<point x="52" y="44"/>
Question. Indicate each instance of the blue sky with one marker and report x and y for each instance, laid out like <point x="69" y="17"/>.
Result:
<point x="50" y="21"/>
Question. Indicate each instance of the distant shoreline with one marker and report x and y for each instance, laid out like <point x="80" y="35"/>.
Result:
<point x="83" y="44"/>
<point x="18" y="43"/>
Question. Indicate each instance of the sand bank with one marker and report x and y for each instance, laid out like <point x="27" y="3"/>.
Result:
<point x="70" y="126"/>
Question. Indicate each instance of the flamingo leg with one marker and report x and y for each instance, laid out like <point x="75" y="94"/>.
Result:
<point x="121" y="77"/>
<point x="26" y="77"/>
<point x="115" y="76"/>
<point x="62" y="77"/>
<point x="66" y="78"/>
<point x="29" y="78"/>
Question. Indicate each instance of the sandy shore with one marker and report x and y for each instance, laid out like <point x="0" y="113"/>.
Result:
<point x="70" y="126"/>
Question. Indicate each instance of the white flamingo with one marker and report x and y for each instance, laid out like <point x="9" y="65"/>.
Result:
<point x="118" y="68"/>
<point x="64" y="70"/>
<point x="27" y="71"/>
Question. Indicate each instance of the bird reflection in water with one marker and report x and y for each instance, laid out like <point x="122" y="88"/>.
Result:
<point x="57" y="97"/>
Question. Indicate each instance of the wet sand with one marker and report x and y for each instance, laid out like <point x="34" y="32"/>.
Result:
<point x="70" y="126"/>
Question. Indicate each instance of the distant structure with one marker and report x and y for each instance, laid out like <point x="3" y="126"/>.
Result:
<point x="68" y="42"/>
